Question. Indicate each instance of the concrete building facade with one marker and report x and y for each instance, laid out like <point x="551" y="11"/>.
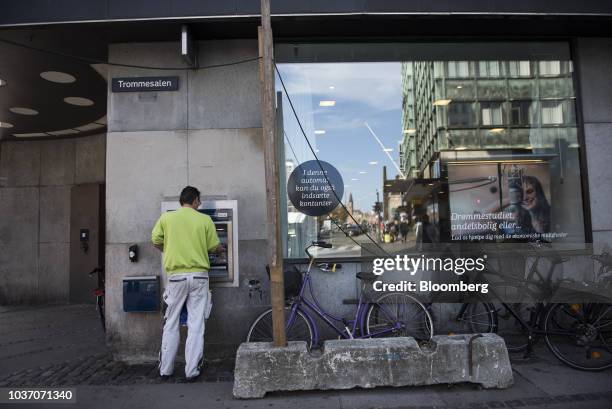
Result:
<point x="208" y="134"/>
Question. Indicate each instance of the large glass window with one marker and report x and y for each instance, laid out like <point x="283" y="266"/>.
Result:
<point x="491" y="113"/>
<point x="519" y="68"/>
<point x="435" y="143"/>
<point x="522" y="113"/>
<point x="461" y="114"/>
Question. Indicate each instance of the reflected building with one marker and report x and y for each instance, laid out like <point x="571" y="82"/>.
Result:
<point x="483" y="105"/>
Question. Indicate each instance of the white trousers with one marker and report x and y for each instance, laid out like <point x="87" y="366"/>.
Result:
<point x="191" y="288"/>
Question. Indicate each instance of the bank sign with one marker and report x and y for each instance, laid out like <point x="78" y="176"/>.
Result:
<point x="141" y="84"/>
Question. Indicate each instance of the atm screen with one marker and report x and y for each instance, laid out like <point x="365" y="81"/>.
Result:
<point x="218" y="261"/>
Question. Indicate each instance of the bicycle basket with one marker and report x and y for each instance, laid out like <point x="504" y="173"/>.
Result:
<point x="292" y="279"/>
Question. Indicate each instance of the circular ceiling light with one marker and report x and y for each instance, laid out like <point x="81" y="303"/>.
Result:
<point x="2" y="82"/>
<point x="79" y="101"/>
<point x="30" y="135"/>
<point x="89" y="127"/>
<point x="58" y="77"/>
<point x="63" y="132"/>
<point x="23" y="111"/>
<point x="5" y="125"/>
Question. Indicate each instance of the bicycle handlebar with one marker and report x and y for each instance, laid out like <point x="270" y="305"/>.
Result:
<point x="318" y="243"/>
<point x="95" y="270"/>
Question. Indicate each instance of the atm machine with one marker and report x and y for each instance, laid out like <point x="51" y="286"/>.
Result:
<point x="224" y="214"/>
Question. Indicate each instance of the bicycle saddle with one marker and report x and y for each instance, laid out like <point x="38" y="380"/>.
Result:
<point x="366" y="276"/>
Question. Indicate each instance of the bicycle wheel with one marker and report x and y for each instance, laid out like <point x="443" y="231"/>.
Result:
<point x="512" y="330"/>
<point x="580" y="335"/>
<point x="477" y="317"/>
<point x="298" y="330"/>
<point x="398" y="315"/>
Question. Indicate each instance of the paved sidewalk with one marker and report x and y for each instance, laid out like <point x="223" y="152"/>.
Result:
<point x="35" y="344"/>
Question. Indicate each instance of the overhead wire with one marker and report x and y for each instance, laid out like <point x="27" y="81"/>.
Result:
<point x="321" y="165"/>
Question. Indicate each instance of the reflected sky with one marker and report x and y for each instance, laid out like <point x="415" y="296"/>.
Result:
<point x="363" y="93"/>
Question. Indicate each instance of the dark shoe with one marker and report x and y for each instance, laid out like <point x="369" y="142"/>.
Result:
<point x="164" y="377"/>
<point x="194" y="378"/>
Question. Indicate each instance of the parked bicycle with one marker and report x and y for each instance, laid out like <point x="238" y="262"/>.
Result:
<point x="99" y="293"/>
<point x="391" y="315"/>
<point x="578" y="334"/>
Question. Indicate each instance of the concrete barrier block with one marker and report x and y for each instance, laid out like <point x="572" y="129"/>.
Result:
<point x="368" y="363"/>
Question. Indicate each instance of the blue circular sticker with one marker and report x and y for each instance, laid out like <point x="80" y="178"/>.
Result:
<point x="315" y="188"/>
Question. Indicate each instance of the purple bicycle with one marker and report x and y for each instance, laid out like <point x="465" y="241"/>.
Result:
<point x="391" y="315"/>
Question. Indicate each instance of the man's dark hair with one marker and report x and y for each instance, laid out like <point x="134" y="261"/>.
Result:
<point x="188" y="195"/>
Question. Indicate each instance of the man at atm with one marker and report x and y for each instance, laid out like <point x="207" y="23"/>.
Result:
<point x="185" y="236"/>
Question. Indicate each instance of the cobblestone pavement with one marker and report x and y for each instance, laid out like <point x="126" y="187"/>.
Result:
<point x="31" y="337"/>
<point x="102" y="370"/>
<point x="64" y="346"/>
<point x="61" y="346"/>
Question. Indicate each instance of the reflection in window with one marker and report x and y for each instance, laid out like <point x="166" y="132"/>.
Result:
<point x="461" y="114"/>
<point x="489" y="68"/>
<point x="458" y="69"/>
<point x="552" y="112"/>
<point x="550" y="67"/>
<point x="519" y="68"/>
<point x="522" y="113"/>
<point x="491" y="113"/>
<point x="427" y="114"/>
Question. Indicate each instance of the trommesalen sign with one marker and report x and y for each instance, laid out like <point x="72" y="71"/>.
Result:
<point x="140" y="84"/>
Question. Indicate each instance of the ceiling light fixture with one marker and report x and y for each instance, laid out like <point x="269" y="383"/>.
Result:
<point x="319" y="132"/>
<point x="327" y="103"/>
<point x="2" y="82"/>
<point x="23" y="111"/>
<point x="58" y="77"/>
<point x="362" y="172"/>
<point x="63" y="132"/>
<point x="79" y="101"/>
<point x="442" y="102"/>
<point x="388" y="149"/>
<point x="410" y="131"/>
<point x="89" y="127"/>
<point x="497" y="130"/>
<point x="354" y="179"/>
<point x="29" y="135"/>
<point x="5" y="125"/>
<point x="332" y="87"/>
<point x="373" y="162"/>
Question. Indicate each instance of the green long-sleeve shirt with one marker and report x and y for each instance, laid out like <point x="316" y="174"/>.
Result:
<point x="186" y="236"/>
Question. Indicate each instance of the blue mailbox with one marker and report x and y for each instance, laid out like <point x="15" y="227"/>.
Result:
<point x="141" y="294"/>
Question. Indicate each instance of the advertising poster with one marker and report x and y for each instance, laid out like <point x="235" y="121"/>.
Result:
<point x="500" y="201"/>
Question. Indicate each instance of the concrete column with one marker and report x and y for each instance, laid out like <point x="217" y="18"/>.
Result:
<point x="594" y="60"/>
<point x="208" y="134"/>
<point x="35" y="182"/>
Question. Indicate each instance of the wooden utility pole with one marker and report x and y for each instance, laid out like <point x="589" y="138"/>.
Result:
<point x="268" y="122"/>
